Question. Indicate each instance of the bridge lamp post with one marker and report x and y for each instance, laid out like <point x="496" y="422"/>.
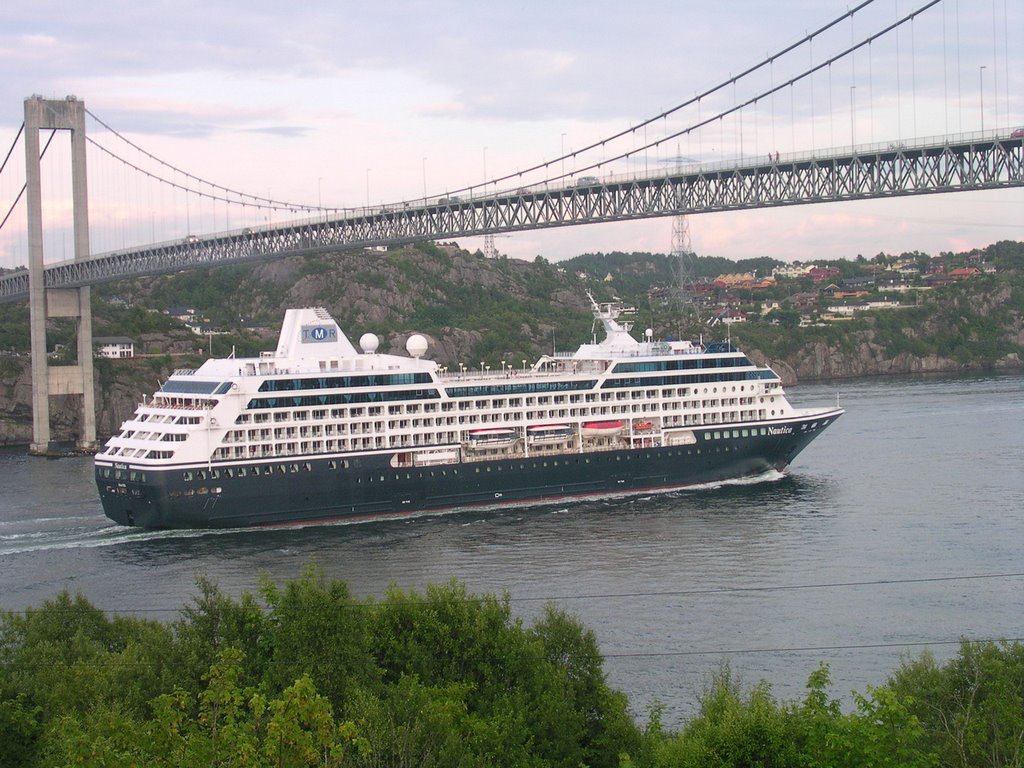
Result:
<point x="563" y="157"/>
<point x="981" y="94"/>
<point x="319" y="192"/>
<point x="424" y="179"/>
<point x="367" y="189"/>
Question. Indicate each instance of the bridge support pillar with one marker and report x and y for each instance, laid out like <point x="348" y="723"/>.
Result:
<point x="44" y="303"/>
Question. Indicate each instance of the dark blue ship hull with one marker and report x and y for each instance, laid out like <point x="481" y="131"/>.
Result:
<point x="298" y="490"/>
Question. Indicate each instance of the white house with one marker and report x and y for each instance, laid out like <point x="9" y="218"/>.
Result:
<point x="114" y="347"/>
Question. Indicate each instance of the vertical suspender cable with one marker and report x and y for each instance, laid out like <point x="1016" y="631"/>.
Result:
<point x="913" y="75"/>
<point x="959" y="89"/>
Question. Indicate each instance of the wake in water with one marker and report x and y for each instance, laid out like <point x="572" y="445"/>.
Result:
<point x="71" y="536"/>
<point x="770" y="476"/>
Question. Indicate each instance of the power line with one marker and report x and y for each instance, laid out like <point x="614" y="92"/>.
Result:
<point x="771" y="588"/>
<point x="677" y="592"/>
<point x="809" y="648"/>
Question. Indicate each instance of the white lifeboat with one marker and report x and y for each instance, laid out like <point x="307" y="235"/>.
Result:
<point x="602" y="428"/>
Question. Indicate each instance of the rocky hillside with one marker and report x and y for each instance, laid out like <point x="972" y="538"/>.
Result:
<point x="473" y="309"/>
<point x="467" y="305"/>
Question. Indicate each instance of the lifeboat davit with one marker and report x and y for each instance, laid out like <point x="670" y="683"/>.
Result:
<point x="495" y="436"/>
<point x="548" y="433"/>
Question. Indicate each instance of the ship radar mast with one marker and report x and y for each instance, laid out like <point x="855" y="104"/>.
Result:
<point x="607" y="313"/>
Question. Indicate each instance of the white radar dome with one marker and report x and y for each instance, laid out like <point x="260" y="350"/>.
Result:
<point x="369" y="342"/>
<point x="416" y="345"/>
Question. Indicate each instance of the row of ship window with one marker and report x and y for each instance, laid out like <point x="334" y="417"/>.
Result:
<point x="345" y="382"/>
<point x="161" y="418"/>
<point x="681" y="364"/>
<point x="753" y="432"/>
<point x="126" y="452"/>
<point x="487" y="390"/>
<point x="360" y="428"/>
<point x="259" y="417"/>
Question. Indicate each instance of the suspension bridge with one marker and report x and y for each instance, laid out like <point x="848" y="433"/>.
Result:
<point x="640" y="172"/>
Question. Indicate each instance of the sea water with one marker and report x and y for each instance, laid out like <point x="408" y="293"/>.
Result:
<point x="900" y="528"/>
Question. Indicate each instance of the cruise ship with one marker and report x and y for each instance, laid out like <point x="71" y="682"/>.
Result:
<point x="319" y="431"/>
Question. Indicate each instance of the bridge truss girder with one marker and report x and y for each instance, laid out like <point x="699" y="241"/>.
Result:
<point x="895" y="171"/>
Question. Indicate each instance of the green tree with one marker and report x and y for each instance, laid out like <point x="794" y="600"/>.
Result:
<point x="21" y="726"/>
<point x="972" y="707"/>
<point x="213" y="622"/>
<point x="734" y="730"/>
<point x="314" y="627"/>
<point x="594" y="715"/>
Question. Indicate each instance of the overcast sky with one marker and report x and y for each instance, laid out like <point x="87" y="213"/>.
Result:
<point x="348" y="103"/>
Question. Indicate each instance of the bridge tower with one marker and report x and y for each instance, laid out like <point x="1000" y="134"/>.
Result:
<point x="44" y="303"/>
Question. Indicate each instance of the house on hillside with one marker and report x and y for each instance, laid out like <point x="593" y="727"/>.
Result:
<point x="857" y="283"/>
<point x="804" y="301"/>
<point x="184" y="314"/>
<point x="796" y="269"/>
<point x="728" y="316"/>
<point x="821" y="274"/>
<point x="963" y="273"/>
<point x="114" y="347"/>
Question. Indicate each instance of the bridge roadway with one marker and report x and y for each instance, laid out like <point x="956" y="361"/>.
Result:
<point x="966" y="162"/>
